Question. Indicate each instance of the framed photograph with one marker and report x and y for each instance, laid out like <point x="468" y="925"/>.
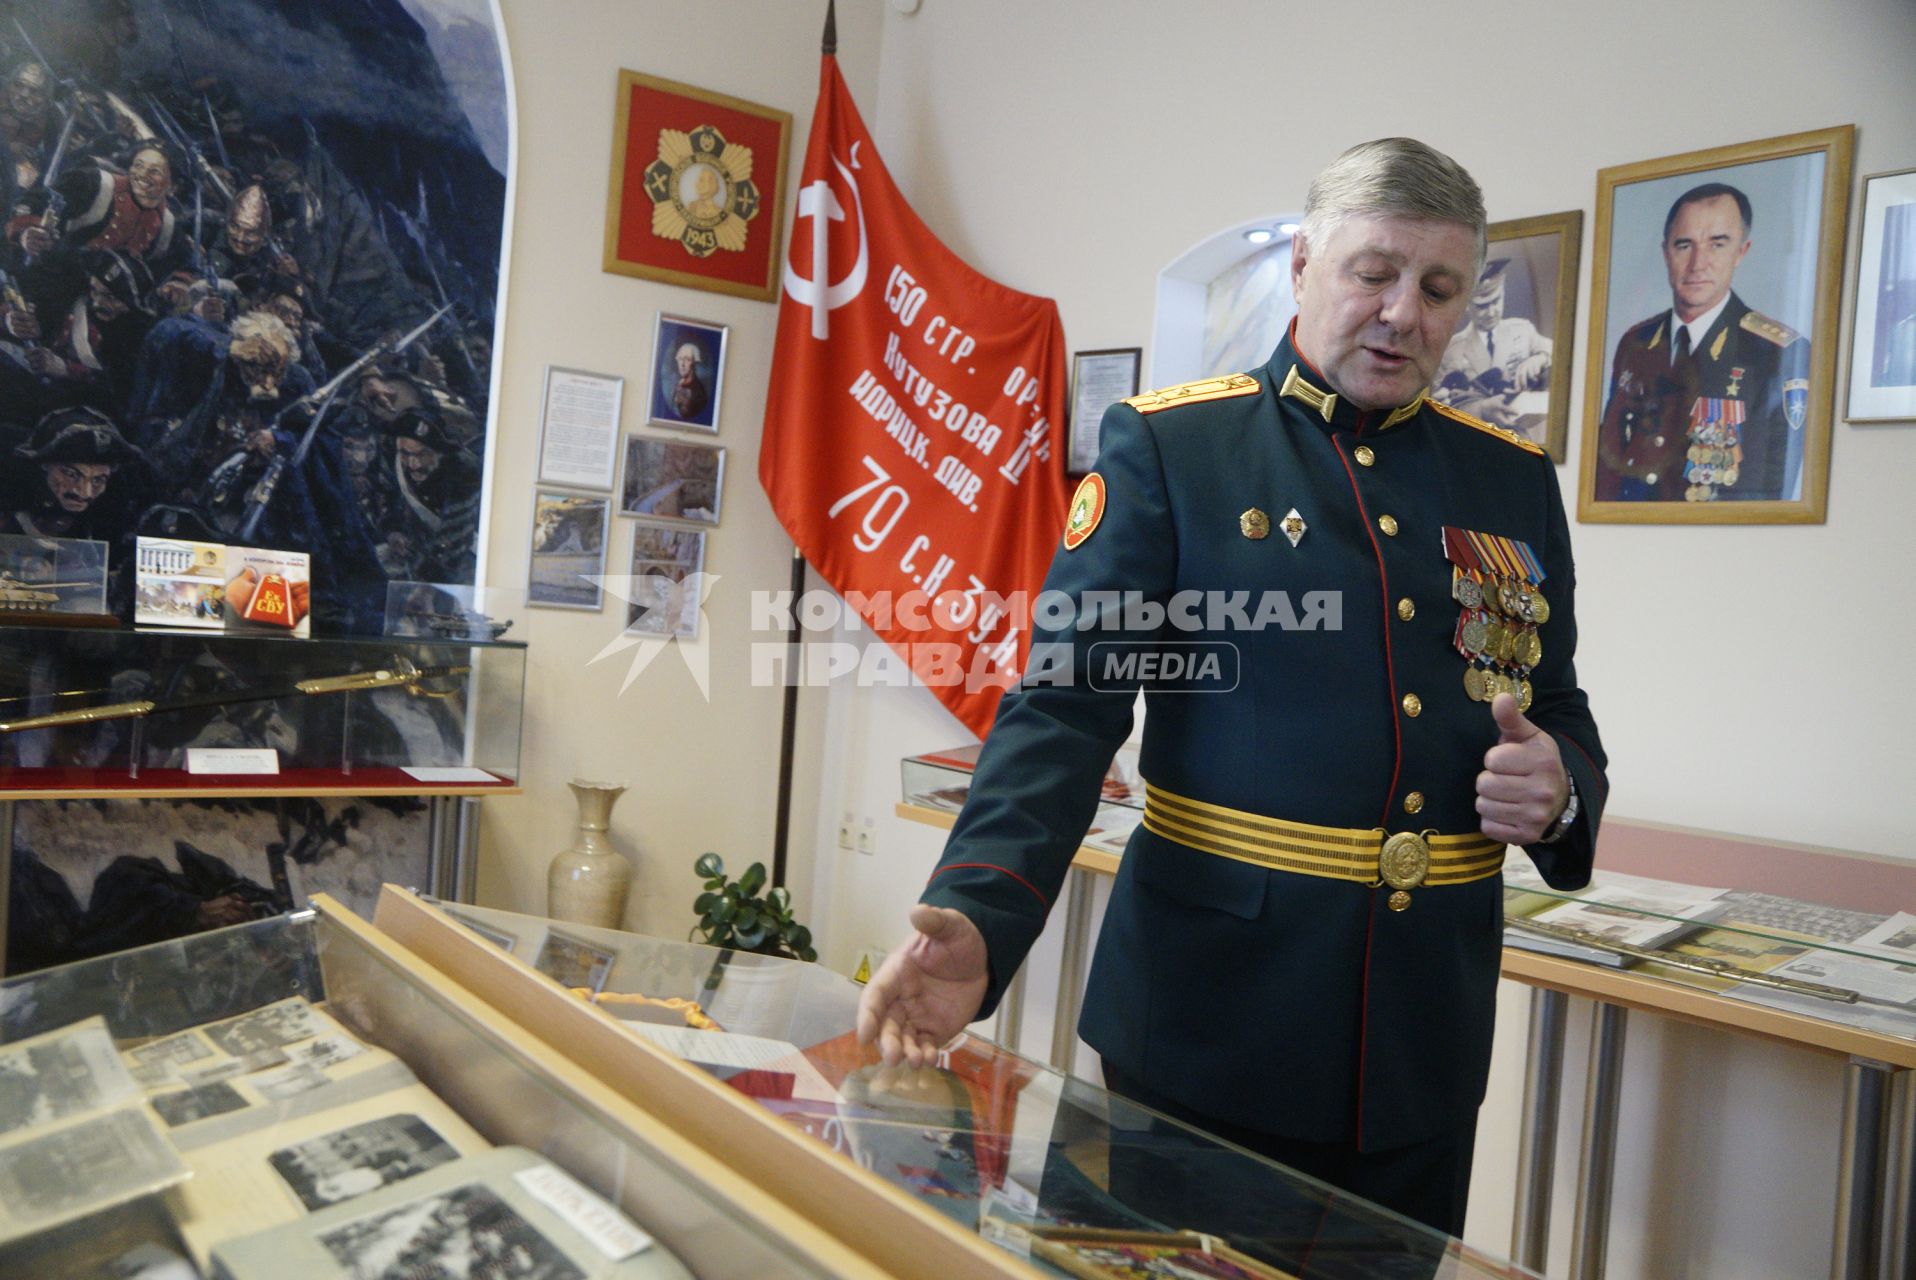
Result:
<point x="697" y="189"/>
<point x="572" y="961"/>
<point x="1099" y="379"/>
<point x="1882" y="350"/>
<point x="568" y="549"/>
<point x="1094" y="1253"/>
<point x="671" y="479"/>
<point x="1713" y="320"/>
<point x="1510" y="363"/>
<point x="579" y="428"/>
<point x="688" y="373"/>
<point x="664" y="597"/>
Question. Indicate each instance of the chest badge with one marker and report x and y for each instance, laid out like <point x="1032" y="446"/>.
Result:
<point x="1294" y="526"/>
<point x="1255" y="525"/>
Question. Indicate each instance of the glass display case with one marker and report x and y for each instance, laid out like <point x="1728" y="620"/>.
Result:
<point x="1055" y="1175"/>
<point x="1845" y="966"/>
<point x="939" y="781"/>
<point x="300" y="1097"/>
<point x="107" y="710"/>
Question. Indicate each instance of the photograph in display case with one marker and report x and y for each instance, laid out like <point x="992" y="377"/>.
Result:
<point x="1146" y="1255"/>
<point x="688" y="373"/>
<point x="336" y="1166"/>
<point x="1882" y="356"/>
<point x="697" y="191"/>
<point x="571" y="961"/>
<point x="1713" y="323"/>
<point x="1510" y="363"/>
<point x="568" y="550"/>
<point x="672" y="480"/>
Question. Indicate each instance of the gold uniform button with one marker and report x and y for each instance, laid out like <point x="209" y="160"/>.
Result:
<point x="1413" y="705"/>
<point x="1388" y="524"/>
<point x="1364" y="455"/>
<point x="1414" y="802"/>
<point x="1406" y="609"/>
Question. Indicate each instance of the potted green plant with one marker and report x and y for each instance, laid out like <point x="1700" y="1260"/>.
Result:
<point x="733" y="913"/>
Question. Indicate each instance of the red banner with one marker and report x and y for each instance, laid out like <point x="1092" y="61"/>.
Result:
<point x="911" y="441"/>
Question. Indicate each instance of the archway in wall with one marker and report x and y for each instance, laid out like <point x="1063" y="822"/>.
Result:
<point x="1224" y="303"/>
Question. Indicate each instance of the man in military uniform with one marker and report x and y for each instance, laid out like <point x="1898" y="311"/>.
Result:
<point x="1707" y="399"/>
<point x="1495" y="359"/>
<point x="1302" y="944"/>
<point x="127" y="211"/>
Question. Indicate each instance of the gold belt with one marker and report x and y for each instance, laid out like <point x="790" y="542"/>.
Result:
<point x="1403" y="861"/>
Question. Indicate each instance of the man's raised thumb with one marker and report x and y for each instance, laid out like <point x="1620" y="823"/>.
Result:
<point x="1510" y="722"/>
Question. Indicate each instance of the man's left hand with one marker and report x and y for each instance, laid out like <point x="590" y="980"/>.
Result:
<point x="1523" y="789"/>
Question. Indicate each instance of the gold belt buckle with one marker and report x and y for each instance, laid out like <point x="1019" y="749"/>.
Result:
<point x="1402" y="865"/>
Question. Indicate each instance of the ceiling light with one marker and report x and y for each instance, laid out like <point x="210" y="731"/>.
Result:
<point x="1260" y="235"/>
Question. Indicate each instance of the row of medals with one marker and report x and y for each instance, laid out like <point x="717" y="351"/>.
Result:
<point x="1711" y="461"/>
<point x="1498" y="627"/>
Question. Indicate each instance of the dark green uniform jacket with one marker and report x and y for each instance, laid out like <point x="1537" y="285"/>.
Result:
<point x="1294" y="1004"/>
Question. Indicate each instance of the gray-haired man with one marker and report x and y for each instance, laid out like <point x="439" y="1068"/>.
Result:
<point x="1302" y="944"/>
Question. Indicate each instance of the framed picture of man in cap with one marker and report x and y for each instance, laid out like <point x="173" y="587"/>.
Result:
<point x="1510" y="363"/>
<point x="1712" y="363"/>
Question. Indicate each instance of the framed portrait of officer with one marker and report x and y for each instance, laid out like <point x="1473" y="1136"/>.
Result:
<point x="1711" y="373"/>
<point x="688" y="374"/>
<point x="1510" y="363"/>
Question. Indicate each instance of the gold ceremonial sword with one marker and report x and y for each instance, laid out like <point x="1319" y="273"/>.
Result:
<point x="401" y="674"/>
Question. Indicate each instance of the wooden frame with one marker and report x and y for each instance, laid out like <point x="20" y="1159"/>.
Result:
<point x="1881" y="386"/>
<point x="1106" y="371"/>
<point x="697" y="409"/>
<point x="1536" y="259"/>
<point x="1741" y="433"/>
<point x="697" y="188"/>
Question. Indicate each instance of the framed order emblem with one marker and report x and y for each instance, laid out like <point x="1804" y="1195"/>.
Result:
<point x="1713" y="322"/>
<point x="697" y="188"/>
<point x="1510" y="363"/>
<point x="1882" y="348"/>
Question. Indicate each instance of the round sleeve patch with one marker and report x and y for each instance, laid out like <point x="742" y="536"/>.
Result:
<point x="1087" y="508"/>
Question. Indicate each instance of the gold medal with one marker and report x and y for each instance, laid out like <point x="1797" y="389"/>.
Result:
<point x="1539" y="608"/>
<point x="1529" y="649"/>
<point x="1509" y="597"/>
<point x="1474" y="683"/>
<point x="1506" y="644"/>
<point x="1524" y="695"/>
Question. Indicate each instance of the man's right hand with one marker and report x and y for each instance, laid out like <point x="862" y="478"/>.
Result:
<point x="927" y="990"/>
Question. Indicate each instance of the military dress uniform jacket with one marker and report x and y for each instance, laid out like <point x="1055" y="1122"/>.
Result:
<point x="1293" y="1004"/>
<point x="1757" y="366"/>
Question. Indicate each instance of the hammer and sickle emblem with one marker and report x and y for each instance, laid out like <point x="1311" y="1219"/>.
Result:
<point x="821" y="293"/>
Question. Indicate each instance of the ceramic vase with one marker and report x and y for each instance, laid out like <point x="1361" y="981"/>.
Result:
<point x="587" y="883"/>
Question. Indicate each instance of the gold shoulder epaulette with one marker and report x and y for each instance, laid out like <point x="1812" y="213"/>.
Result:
<point x="1238" y="384"/>
<point x="1508" y="437"/>
<point x="1773" y="330"/>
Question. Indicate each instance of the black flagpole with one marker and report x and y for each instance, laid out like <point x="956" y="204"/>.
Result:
<point x="788" y="729"/>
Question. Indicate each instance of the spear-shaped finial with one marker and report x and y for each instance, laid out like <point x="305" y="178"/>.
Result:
<point x="830" y="45"/>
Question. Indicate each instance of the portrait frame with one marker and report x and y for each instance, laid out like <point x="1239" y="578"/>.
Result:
<point x="1885" y="244"/>
<point x="1549" y="248"/>
<point x="672" y="481"/>
<point x="661" y="552"/>
<point x="667" y="138"/>
<point x="1793" y="292"/>
<point x="670" y="335"/>
<point x="555" y="513"/>
<point x="1094" y="374"/>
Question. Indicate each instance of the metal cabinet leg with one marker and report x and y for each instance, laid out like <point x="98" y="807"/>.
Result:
<point x="6" y="876"/>
<point x="1896" y="1255"/>
<point x="1590" y="1229"/>
<point x="1064" y="1031"/>
<point x="1537" y="1143"/>
<point x="1011" y="1013"/>
<point x="1859" y="1170"/>
<point x="465" y="853"/>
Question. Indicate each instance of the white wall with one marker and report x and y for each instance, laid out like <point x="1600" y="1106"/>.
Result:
<point x="1074" y="149"/>
<point x="703" y="774"/>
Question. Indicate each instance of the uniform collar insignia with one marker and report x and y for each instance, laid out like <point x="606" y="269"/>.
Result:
<point x="1304" y="384"/>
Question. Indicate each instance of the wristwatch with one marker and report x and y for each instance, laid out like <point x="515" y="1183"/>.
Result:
<point x="1567" y="819"/>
